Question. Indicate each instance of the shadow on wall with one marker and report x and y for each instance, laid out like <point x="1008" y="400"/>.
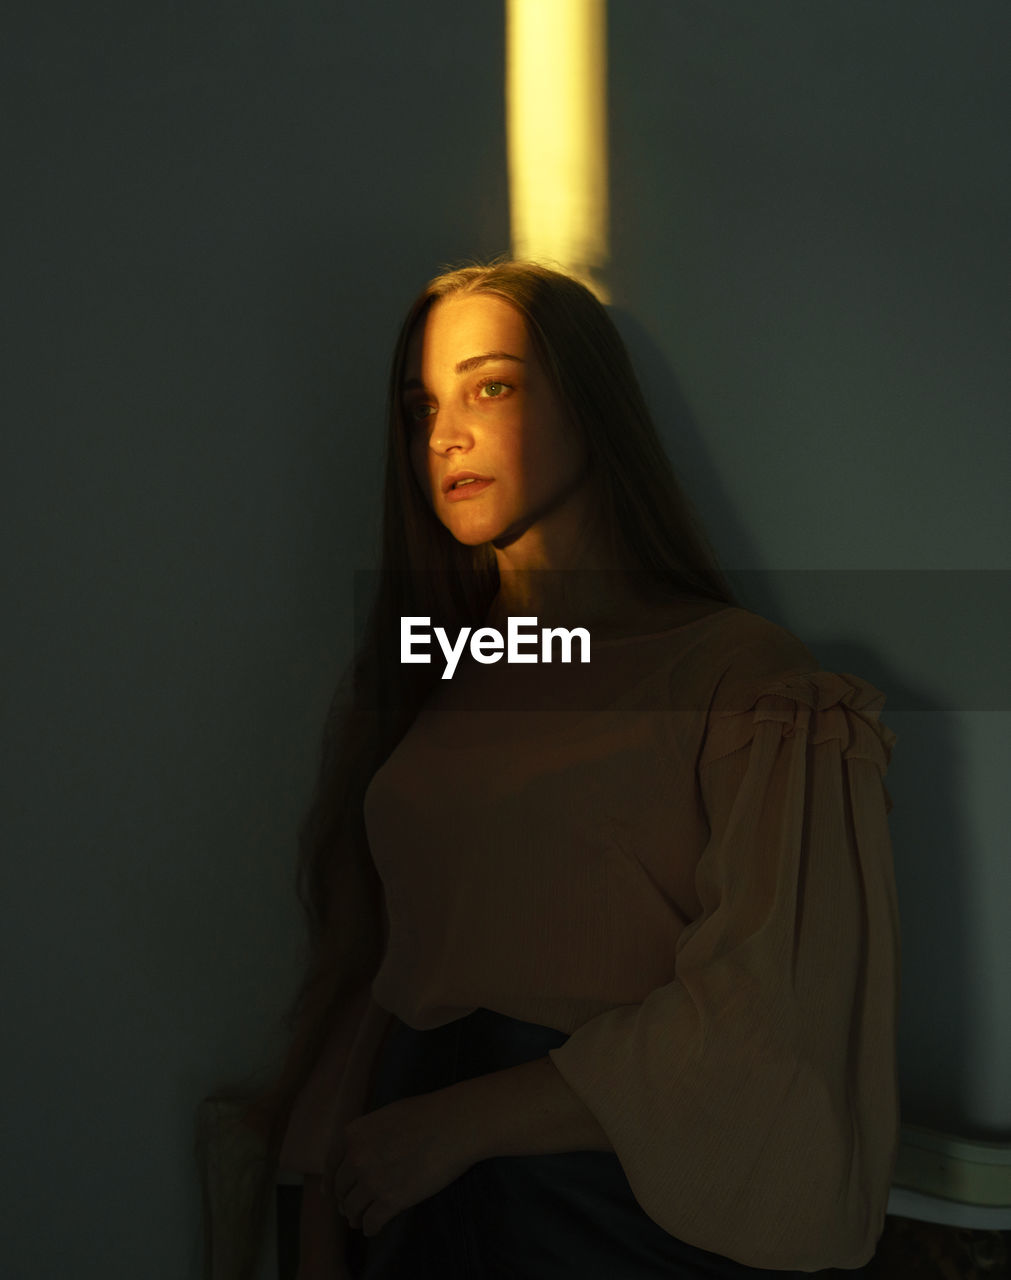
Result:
<point x="939" y="983"/>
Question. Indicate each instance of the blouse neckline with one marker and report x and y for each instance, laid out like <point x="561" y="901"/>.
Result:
<point x="657" y="635"/>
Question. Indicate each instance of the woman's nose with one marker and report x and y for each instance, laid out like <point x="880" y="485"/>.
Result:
<point x="450" y="429"/>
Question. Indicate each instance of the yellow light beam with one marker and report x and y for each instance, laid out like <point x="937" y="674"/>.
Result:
<point x="556" y="120"/>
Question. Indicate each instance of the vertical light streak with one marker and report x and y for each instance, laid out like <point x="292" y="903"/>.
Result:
<point x="556" y="118"/>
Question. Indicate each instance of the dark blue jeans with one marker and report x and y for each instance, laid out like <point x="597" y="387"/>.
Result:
<point x="534" y="1217"/>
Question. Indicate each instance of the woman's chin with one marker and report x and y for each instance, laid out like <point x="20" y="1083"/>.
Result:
<point x="473" y="533"/>
<point x="470" y="538"/>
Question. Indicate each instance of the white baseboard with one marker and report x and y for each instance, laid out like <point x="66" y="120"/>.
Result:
<point x="942" y="1178"/>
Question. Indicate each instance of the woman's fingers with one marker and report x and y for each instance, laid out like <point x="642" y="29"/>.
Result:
<point x="353" y="1206"/>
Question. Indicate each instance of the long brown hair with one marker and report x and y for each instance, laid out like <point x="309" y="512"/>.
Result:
<point x="424" y="571"/>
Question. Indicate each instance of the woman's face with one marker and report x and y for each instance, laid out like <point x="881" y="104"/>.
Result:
<point x="476" y="399"/>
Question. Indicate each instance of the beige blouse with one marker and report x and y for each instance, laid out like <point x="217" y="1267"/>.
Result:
<point x="679" y="855"/>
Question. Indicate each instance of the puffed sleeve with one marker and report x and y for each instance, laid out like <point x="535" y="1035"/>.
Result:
<point x="753" y="1101"/>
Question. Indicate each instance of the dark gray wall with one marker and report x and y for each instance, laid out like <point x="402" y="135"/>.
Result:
<point x="215" y="218"/>
<point x="218" y="216"/>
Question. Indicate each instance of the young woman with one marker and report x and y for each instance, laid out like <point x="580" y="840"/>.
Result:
<point x="604" y="961"/>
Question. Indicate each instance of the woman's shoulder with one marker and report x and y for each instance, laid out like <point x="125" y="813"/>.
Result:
<point x="749" y="650"/>
<point x="739" y="645"/>
<point x="730" y="644"/>
<point x="735" y="626"/>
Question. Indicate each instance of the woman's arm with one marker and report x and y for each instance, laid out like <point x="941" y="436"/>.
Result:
<point x="408" y="1150"/>
<point x="524" y="1110"/>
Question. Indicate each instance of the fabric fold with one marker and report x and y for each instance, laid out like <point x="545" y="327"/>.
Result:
<point x="753" y="1101"/>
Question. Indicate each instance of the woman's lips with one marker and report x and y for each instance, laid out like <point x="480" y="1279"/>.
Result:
<point x="467" y="490"/>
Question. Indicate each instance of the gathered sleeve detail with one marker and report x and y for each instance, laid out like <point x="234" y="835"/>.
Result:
<point x="753" y="1101"/>
<point x="823" y="704"/>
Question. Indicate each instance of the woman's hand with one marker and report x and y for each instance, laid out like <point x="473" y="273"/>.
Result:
<point x="397" y="1156"/>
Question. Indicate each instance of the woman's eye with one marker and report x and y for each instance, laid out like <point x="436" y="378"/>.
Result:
<point x="494" y="388"/>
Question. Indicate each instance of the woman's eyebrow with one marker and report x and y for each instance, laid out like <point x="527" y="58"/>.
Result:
<point x="467" y="366"/>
